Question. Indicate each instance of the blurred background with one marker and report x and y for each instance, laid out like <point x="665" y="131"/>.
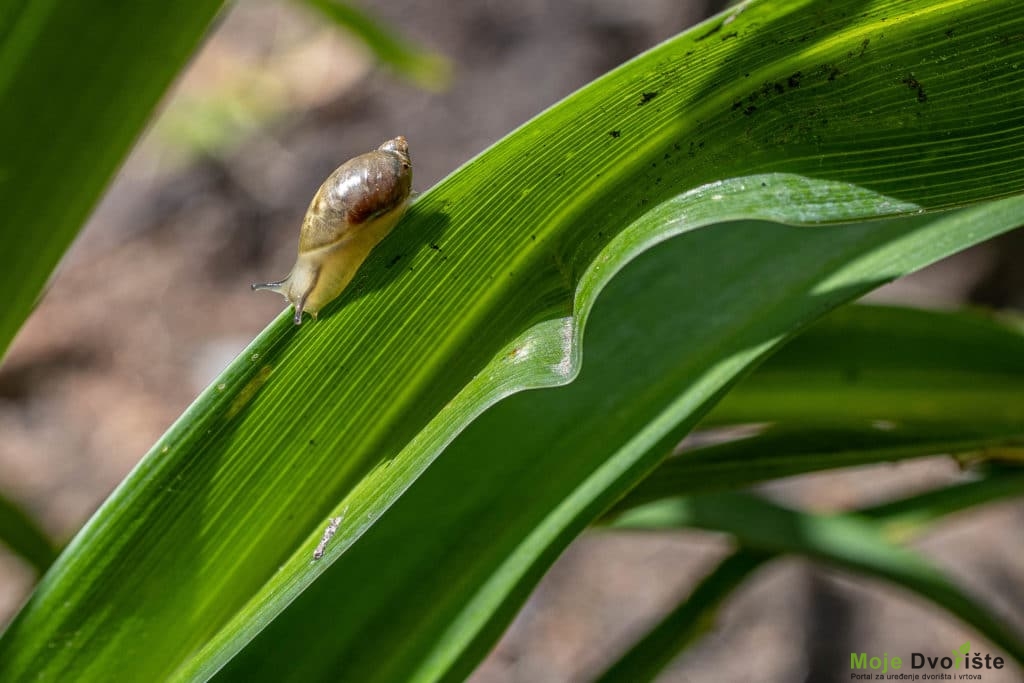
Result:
<point x="211" y="200"/>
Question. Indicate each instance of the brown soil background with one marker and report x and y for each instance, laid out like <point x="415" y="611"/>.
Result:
<point x="199" y="211"/>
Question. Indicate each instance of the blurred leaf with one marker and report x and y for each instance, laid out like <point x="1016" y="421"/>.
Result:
<point x="897" y="520"/>
<point x="689" y="621"/>
<point x="893" y="364"/>
<point x="484" y="291"/>
<point x="851" y="362"/>
<point x="845" y="540"/>
<point x="422" y="67"/>
<point x="904" y="519"/>
<point x="787" y="450"/>
<point x="19" y="533"/>
<point x="681" y="626"/>
<point x="78" y="81"/>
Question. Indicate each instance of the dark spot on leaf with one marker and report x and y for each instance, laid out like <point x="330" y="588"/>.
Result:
<point x="393" y="261"/>
<point x="312" y="442"/>
<point x="794" y="80"/>
<point x="736" y="105"/>
<point x="949" y="33"/>
<point x="646" y="97"/>
<point x="615" y="133"/>
<point x="435" y="247"/>
<point x="533" y="237"/>
<point x="749" y="110"/>
<point x="916" y="86"/>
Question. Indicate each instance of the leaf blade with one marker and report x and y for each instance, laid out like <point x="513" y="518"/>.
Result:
<point x="658" y="647"/>
<point x="57" y="158"/>
<point x="512" y="505"/>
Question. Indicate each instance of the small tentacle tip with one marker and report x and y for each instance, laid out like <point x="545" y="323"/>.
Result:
<point x="272" y="286"/>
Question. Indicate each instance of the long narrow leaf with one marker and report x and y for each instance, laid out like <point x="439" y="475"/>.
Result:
<point x="917" y="374"/>
<point x="425" y="68"/>
<point x="440" y="574"/>
<point x="682" y="625"/>
<point x="844" y="540"/>
<point x="78" y="81"/>
<point x="865" y="363"/>
<point x="688" y="622"/>
<point x="791" y="450"/>
<point x="19" y="533"/>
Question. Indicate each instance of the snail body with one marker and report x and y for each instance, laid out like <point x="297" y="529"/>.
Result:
<point x="354" y="209"/>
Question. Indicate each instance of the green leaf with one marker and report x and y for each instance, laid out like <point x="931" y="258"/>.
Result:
<point x="688" y="622"/>
<point x="213" y="532"/>
<point x="912" y="351"/>
<point x="19" y="533"/>
<point x="843" y="540"/>
<point x="440" y="574"/>
<point x="682" y="625"/>
<point x="914" y="372"/>
<point x="426" y="69"/>
<point x="790" y="450"/>
<point x="893" y="364"/>
<point x="904" y="519"/>
<point x="890" y="349"/>
<point x="78" y="81"/>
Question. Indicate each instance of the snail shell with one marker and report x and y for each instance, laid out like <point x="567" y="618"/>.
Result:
<point x="355" y="208"/>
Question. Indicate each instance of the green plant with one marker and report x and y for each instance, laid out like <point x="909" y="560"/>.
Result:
<point x="568" y="258"/>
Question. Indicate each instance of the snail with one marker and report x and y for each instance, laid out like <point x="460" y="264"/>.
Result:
<point x="355" y="208"/>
